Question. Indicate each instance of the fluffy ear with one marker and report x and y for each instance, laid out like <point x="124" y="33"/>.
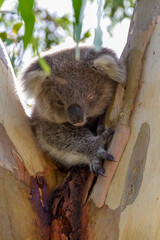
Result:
<point x="31" y="79"/>
<point x="111" y="67"/>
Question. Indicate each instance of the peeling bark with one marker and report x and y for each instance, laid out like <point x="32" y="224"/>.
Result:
<point x="67" y="208"/>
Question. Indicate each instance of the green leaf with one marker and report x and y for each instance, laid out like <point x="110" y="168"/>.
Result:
<point x="16" y="27"/>
<point x="63" y="21"/>
<point x="19" y="38"/>
<point x="9" y="41"/>
<point x="3" y="36"/>
<point x="26" y="10"/>
<point x="34" y="44"/>
<point x="44" y="65"/>
<point x="85" y="35"/>
<point x="77" y="32"/>
<point x="29" y="26"/>
<point x="1" y="2"/>
<point x="78" y="7"/>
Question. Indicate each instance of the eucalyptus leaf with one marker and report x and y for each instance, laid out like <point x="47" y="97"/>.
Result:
<point x="78" y="8"/>
<point x="16" y="27"/>
<point x="85" y="36"/>
<point x="9" y="41"/>
<point x="26" y="10"/>
<point x="98" y="31"/>
<point x="77" y="32"/>
<point x="98" y="39"/>
<point x="3" y="36"/>
<point x="1" y="2"/>
<point x="44" y="65"/>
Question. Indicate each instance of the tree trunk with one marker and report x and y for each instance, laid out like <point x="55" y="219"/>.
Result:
<point x="39" y="202"/>
<point x="131" y="209"/>
<point x="23" y="211"/>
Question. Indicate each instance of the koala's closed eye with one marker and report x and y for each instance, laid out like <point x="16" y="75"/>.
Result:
<point x="90" y="97"/>
<point x="60" y="103"/>
<point x="55" y="101"/>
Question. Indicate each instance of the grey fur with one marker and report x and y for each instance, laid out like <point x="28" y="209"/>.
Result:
<point x="87" y="85"/>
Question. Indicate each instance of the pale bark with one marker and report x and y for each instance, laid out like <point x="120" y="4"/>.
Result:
<point x="20" y="162"/>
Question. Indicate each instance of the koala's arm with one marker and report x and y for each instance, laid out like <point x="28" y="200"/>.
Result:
<point x="73" y="146"/>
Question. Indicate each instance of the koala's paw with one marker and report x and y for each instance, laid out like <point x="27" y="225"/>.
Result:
<point x="105" y="136"/>
<point x="96" y="165"/>
<point x="100" y="129"/>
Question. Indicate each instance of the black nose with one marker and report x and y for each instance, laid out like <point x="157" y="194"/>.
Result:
<point x="75" y="114"/>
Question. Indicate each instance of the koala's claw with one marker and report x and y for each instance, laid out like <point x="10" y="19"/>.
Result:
<point x="104" y="155"/>
<point x="110" y="158"/>
<point x="96" y="166"/>
<point x="106" y="136"/>
<point x="100" y="129"/>
<point x="101" y="172"/>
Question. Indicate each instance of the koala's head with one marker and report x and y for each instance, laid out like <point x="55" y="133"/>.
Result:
<point x="76" y="90"/>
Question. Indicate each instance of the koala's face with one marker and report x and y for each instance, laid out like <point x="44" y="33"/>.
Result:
<point x="76" y="90"/>
<point x="75" y="95"/>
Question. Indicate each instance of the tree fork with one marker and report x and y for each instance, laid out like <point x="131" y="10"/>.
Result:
<point x="38" y="202"/>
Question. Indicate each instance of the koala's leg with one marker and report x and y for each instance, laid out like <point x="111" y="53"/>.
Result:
<point x="73" y="145"/>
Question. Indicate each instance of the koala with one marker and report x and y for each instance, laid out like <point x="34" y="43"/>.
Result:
<point x="68" y="102"/>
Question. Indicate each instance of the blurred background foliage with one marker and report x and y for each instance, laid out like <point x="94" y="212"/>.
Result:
<point x="29" y="27"/>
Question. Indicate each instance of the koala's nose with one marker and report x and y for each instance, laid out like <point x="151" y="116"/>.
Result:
<point x="75" y="114"/>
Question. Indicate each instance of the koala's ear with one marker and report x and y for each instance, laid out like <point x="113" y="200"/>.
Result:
<point x="112" y="67"/>
<point x="31" y="79"/>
